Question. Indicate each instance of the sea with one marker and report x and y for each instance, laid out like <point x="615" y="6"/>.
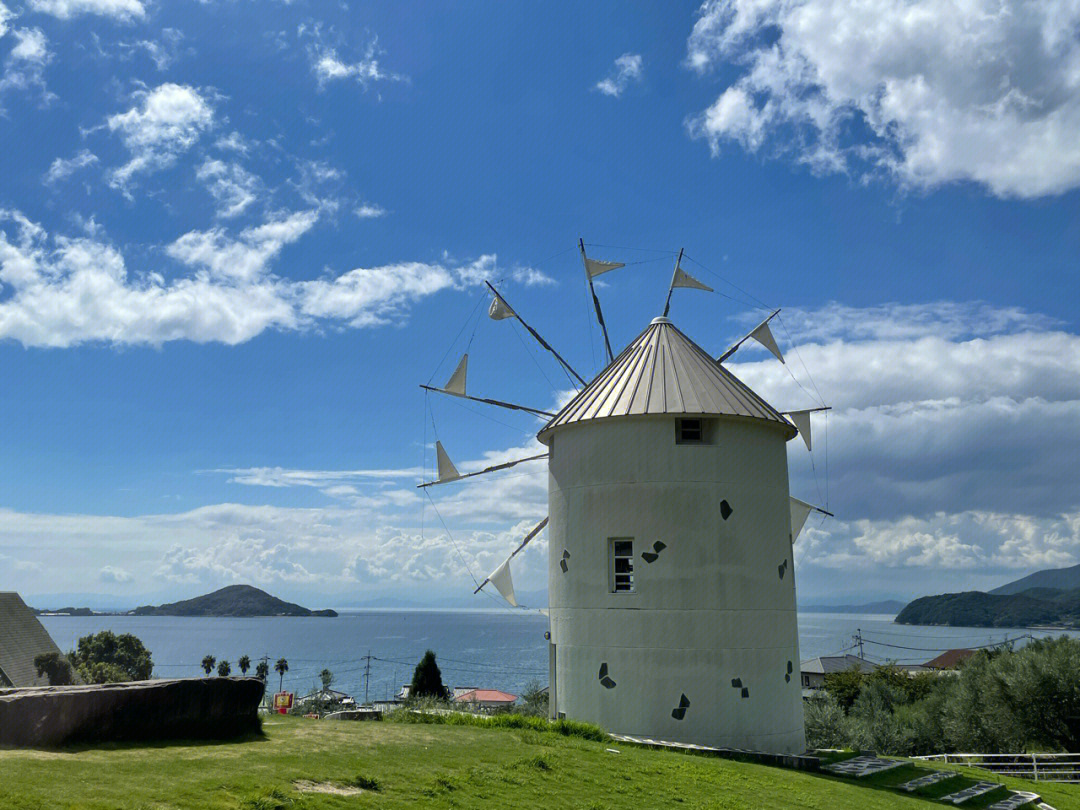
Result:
<point x="371" y="653"/>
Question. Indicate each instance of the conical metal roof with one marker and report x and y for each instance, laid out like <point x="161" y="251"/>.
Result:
<point x="664" y="372"/>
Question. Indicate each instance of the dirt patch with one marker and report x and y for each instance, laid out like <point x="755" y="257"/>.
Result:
<point x="307" y="786"/>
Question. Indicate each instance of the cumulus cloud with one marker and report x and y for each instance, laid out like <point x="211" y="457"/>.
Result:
<point x="927" y="93"/>
<point x="113" y="575"/>
<point x="65" y="290"/>
<point x="628" y="68"/>
<point x="63" y="168"/>
<point x="232" y="186"/>
<point x="167" y="121"/>
<point x="121" y="10"/>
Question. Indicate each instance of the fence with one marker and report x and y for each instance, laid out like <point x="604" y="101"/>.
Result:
<point x="1040" y="767"/>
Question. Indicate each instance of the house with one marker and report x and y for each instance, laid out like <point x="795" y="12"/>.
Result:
<point x="485" y="699"/>
<point x="950" y="659"/>
<point x="814" y="670"/>
<point x="22" y="638"/>
<point x="458" y="691"/>
<point x="329" y="696"/>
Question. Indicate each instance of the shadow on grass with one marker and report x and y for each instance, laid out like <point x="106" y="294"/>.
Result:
<point x="84" y="746"/>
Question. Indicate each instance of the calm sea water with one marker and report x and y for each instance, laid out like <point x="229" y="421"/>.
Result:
<point x="490" y="649"/>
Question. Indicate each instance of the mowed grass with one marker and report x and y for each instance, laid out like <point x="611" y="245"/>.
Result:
<point x="414" y="765"/>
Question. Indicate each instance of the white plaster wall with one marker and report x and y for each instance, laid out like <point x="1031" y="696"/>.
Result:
<point x="711" y="608"/>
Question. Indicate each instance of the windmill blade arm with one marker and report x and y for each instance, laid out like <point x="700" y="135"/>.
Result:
<point x="735" y="346"/>
<point x="536" y="530"/>
<point x="509" y="405"/>
<point x="504" y="466"/>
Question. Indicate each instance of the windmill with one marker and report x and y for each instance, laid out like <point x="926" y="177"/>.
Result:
<point x="671" y="585"/>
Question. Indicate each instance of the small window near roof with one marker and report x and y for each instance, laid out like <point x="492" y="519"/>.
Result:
<point x="622" y="564"/>
<point x="690" y="431"/>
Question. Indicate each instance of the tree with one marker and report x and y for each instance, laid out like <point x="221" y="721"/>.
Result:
<point x="535" y="700"/>
<point x="109" y="658"/>
<point x="55" y="666"/>
<point x="844" y="686"/>
<point x="327" y="678"/>
<point x="262" y="670"/>
<point x="281" y="667"/>
<point x="244" y="663"/>
<point x="208" y="664"/>
<point x="223" y="669"/>
<point x="427" y="679"/>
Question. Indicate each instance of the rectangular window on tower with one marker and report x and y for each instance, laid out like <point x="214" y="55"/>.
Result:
<point x="691" y="431"/>
<point x="621" y="553"/>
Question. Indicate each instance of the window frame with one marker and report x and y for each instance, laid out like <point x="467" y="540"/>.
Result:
<point x="704" y="430"/>
<point x="614" y="574"/>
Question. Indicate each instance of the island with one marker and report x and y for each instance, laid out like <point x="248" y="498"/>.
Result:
<point x="1043" y="599"/>
<point x="232" y="601"/>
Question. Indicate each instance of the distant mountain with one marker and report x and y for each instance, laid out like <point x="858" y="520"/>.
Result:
<point x="1035" y="607"/>
<point x="1062" y="579"/>
<point x="890" y="606"/>
<point x="235" y="600"/>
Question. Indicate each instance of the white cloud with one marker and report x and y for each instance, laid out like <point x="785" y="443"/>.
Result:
<point x="113" y="575"/>
<point x="233" y="142"/>
<point x="24" y="67"/>
<point x="62" y="168"/>
<point x="5" y="15"/>
<point x="369" y="211"/>
<point x="282" y="477"/>
<point x="65" y="290"/>
<point x="161" y="52"/>
<point x="328" y="67"/>
<point x="986" y="91"/>
<point x="122" y="10"/>
<point x="230" y="184"/>
<point x="166" y="122"/>
<point x="628" y="68"/>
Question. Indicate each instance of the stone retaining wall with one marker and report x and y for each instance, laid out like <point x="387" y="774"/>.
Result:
<point x="141" y="710"/>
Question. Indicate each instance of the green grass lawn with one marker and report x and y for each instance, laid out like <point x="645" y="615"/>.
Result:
<point x="425" y="766"/>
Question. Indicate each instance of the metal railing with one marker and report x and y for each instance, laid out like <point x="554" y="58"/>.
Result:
<point x="1038" y="767"/>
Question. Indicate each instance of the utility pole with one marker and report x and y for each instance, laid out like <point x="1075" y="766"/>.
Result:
<point x="367" y="675"/>
<point x="859" y="641"/>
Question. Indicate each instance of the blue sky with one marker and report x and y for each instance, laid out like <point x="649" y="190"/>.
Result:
<point x="235" y="236"/>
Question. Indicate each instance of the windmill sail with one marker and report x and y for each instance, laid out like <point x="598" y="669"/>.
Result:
<point x="595" y="267"/>
<point x="800" y="511"/>
<point x="456" y="384"/>
<point x="504" y="582"/>
<point x="684" y="279"/>
<point x="499" y="309"/>
<point x="763" y="335"/>
<point x="447" y="470"/>
<point x="801" y="420"/>
<point x="501" y="577"/>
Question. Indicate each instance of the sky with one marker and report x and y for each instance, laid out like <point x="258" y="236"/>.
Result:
<point x="236" y="235"/>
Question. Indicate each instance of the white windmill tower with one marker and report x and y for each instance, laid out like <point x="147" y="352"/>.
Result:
<point x="671" y="584"/>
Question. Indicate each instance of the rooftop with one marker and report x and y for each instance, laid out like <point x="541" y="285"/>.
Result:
<point x="662" y="371"/>
<point x="826" y="664"/>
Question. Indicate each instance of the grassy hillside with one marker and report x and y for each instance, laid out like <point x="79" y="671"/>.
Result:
<point x="426" y="766"/>
<point x="1033" y="607"/>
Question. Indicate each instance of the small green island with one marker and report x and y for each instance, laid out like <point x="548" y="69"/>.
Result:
<point x="233" y="601"/>
<point x="1048" y="598"/>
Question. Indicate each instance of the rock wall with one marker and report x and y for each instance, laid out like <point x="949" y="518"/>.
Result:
<point x="206" y="708"/>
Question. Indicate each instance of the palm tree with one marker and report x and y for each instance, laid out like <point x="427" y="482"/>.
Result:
<point x="281" y="667"/>
<point x="262" y="669"/>
<point x="208" y="664"/>
<point x="244" y="663"/>
<point x="223" y="669"/>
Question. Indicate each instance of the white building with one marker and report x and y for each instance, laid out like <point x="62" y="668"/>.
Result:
<point x="671" y="583"/>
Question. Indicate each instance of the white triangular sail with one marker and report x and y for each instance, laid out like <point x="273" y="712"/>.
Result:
<point x="500" y="310"/>
<point x="684" y="279"/>
<point x="801" y="420"/>
<point x="456" y="383"/>
<point x="504" y="582"/>
<point x="447" y="470"/>
<point x="800" y="511"/>
<point x="595" y="267"/>
<point x="763" y="335"/>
